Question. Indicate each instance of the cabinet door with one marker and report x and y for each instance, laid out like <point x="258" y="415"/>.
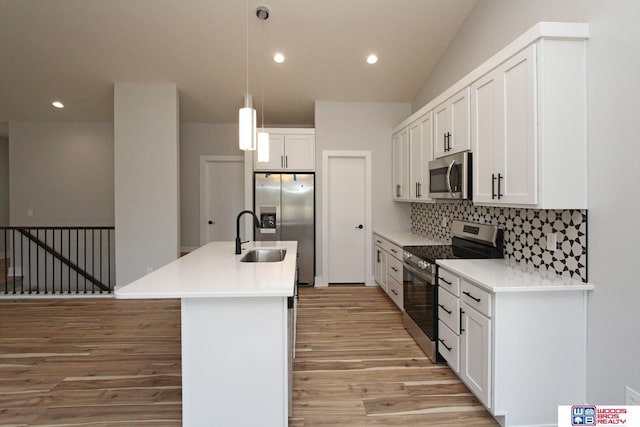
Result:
<point x="380" y="270"/>
<point x="299" y="152"/>
<point x="276" y="155"/>
<point x="519" y="153"/>
<point x="460" y="124"/>
<point x="504" y="134"/>
<point x="486" y="135"/>
<point x="441" y="128"/>
<point x="400" y="153"/>
<point x="475" y="348"/>
<point x="420" y="143"/>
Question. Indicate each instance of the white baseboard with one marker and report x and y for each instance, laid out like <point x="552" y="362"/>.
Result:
<point x="188" y="249"/>
<point x="319" y="282"/>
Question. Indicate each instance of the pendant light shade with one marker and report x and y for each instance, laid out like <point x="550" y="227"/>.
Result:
<point x="247" y="125"/>
<point x="263" y="147"/>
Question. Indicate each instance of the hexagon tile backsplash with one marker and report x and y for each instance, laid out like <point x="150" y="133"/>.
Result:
<point x="525" y="232"/>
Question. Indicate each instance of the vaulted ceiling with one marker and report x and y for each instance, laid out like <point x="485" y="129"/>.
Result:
<point x="74" y="51"/>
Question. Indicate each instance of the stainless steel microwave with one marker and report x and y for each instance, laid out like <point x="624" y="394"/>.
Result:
<point x="450" y="177"/>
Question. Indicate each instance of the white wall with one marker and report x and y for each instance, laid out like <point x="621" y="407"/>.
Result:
<point x="146" y="168"/>
<point x="198" y="139"/>
<point x="613" y="69"/>
<point x="63" y="171"/>
<point x="357" y="127"/>
<point x="4" y="181"/>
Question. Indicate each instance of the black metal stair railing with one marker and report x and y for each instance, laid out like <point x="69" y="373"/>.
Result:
<point x="57" y="260"/>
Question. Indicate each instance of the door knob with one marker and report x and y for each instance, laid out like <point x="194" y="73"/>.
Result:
<point x="211" y="222"/>
<point x="360" y="226"/>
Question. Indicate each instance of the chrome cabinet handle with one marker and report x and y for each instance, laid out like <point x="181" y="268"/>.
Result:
<point x="394" y="292"/>
<point x="499" y="179"/>
<point x="461" y="328"/>
<point x="394" y="269"/>
<point x="445" y="281"/>
<point x="282" y="161"/>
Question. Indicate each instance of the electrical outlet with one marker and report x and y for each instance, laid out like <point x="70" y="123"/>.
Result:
<point x="552" y="242"/>
<point x="632" y="397"/>
<point x="445" y="221"/>
<point x="29" y="211"/>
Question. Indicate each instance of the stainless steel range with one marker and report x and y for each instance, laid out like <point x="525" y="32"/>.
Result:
<point x="469" y="241"/>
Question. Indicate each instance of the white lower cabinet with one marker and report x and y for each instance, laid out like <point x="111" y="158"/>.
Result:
<point x="521" y="353"/>
<point x="380" y="269"/>
<point x="388" y="268"/>
<point x="475" y="353"/>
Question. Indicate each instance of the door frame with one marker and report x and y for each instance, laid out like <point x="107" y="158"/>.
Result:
<point x="204" y="160"/>
<point x="326" y="158"/>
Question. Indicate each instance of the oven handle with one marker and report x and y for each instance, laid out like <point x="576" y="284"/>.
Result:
<point x="420" y="274"/>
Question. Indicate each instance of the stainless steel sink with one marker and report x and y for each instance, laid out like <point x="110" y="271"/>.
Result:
<point x="264" y="255"/>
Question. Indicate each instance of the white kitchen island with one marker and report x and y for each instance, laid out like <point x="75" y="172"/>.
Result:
<point x="235" y="332"/>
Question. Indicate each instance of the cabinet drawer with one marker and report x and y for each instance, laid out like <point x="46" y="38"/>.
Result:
<point x="449" y="309"/>
<point x="394" y="289"/>
<point x="381" y="242"/>
<point x="395" y="251"/>
<point x="477" y="298"/>
<point x="449" y="281"/>
<point x="449" y="346"/>
<point x="395" y="268"/>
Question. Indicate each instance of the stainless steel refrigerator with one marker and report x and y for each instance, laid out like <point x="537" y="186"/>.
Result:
<point x="285" y="205"/>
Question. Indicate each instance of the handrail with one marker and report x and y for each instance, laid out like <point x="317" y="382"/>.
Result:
<point x="57" y="259"/>
<point x="61" y="257"/>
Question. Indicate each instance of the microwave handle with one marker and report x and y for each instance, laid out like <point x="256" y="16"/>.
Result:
<point x="453" y="162"/>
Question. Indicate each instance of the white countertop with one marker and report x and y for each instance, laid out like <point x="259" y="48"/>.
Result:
<point x="407" y="238"/>
<point x="214" y="271"/>
<point x="501" y="275"/>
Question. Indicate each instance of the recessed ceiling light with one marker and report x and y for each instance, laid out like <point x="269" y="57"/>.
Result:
<point x="372" y="59"/>
<point x="57" y="104"/>
<point x="279" y="58"/>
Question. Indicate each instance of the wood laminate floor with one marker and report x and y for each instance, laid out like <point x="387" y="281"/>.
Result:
<point x="108" y="362"/>
<point x="356" y="366"/>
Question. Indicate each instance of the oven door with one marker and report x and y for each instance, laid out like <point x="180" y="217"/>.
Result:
<point x="420" y="293"/>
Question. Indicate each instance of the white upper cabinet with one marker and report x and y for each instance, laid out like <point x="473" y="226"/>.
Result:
<point x="412" y="151"/>
<point x="290" y="150"/>
<point x="420" y="153"/>
<point x="503" y="133"/>
<point x="523" y="114"/>
<point x="451" y="125"/>
<point x="400" y="155"/>
<point x="529" y="129"/>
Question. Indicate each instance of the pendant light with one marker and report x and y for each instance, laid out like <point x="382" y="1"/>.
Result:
<point x="247" y="114"/>
<point x="263" y="137"/>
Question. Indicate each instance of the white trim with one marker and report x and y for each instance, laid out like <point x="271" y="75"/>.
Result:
<point x="326" y="156"/>
<point x="547" y="30"/>
<point x="292" y="131"/>
<point x="204" y="187"/>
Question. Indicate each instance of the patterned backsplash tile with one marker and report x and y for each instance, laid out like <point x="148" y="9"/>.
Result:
<point x="525" y="232"/>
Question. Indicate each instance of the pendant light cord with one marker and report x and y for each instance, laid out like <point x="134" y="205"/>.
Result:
<point x="262" y="73"/>
<point x="246" y="100"/>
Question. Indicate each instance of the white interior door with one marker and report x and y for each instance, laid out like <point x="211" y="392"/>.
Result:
<point x="221" y="197"/>
<point x="347" y="221"/>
